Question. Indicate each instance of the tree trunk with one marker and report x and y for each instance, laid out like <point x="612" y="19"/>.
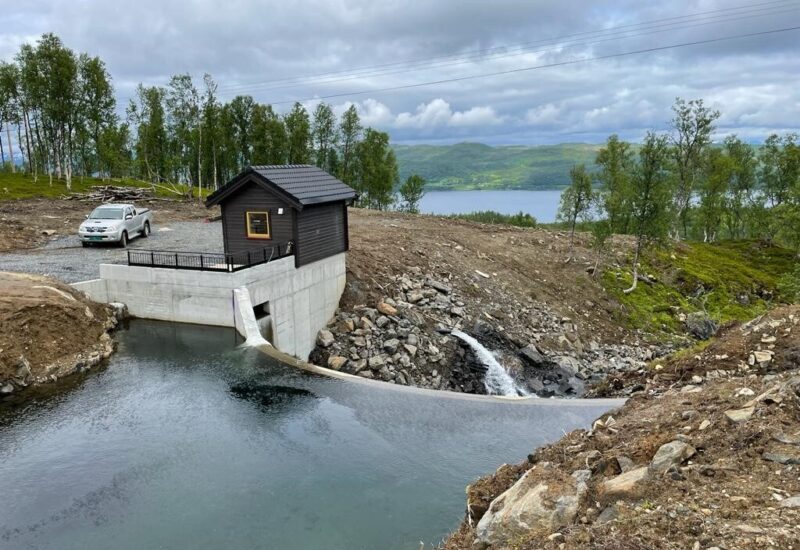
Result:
<point x="10" y="149"/>
<point x="199" y="164"/>
<point x="635" y="267"/>
<point x="571" y="240"/>
<point x="2" y="151"/>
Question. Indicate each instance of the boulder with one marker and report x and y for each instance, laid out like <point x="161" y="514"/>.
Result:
<point x="542" y="499"/>
<point x="627" y="484"/>
<point x="336" y="362"/>
<point x="700" y="325"/>
<point x="791" y="502"/>
<point x="325" y="338"/>
<point x="390" y="346"/>
<point x="441" y="287"/>
<point x="669" y="455"/>
<point x="386" y="309"/>
<point x="530" y="354"/>
<point x="740" y="415"/>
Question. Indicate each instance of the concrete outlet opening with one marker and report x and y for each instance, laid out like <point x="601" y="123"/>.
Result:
<point x="264" y="320"/>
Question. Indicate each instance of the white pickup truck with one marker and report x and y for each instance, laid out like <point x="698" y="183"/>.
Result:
<point x="115" y="223"/>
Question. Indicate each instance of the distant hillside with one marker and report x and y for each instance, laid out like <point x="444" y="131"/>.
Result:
<point x="477" y="166"/>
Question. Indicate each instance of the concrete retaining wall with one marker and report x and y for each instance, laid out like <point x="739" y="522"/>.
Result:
<point x="301" y="300"/>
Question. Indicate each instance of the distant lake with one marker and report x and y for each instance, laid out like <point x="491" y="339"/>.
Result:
<point x="542" y="205"/>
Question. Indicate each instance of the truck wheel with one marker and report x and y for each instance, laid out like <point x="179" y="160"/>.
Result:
<point x="146" y="230"/>
<point x="123" y="240"/>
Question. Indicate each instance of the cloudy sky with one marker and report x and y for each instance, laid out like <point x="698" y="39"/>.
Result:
<point x="380" y="55"/>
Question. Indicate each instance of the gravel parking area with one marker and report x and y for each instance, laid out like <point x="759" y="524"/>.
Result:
<point x="65" y="258"/>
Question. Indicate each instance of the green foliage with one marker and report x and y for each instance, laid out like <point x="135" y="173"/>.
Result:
<point x="411" y="192"/>
<point x="376" y="170"/>
<point x="576" y="200"/>
<point x="475" y="166"/>
<point x="732" y="280"/>
<point x="615" y="161"/>
<point x="298" y="130"/>
<point x="692" y="127"/>
<point x="21" y="186"/>
<point x="520" y="219"/>
<point x="789" y="285"/>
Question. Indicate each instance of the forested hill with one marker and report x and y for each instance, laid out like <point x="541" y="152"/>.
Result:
<point x="479" y="166"/>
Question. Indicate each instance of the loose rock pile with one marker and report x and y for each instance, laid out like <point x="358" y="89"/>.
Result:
<point x="403" y="338"/>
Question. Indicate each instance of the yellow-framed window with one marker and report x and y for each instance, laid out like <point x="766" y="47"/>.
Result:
<point x="257" y="225"/>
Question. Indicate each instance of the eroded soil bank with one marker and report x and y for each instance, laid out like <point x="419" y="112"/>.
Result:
<point x="48" y="330"/>
<point x="705" y="454"/>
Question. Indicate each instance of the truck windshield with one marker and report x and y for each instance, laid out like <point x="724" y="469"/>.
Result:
<point x="106" y="214"/>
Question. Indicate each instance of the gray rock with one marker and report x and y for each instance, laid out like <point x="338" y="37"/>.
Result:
<point x="382" y="321"/>
<point x="781" y="458"/>
<point x="366" y="374"/>
<point x="532" y="355"/>
<point x="376" y="362"/>
<point x="441" y="287"/>
<point x="740" y="415"/>
<point x="325" y="338"/>
<point x="391" y="345"/>
<point x="669" y="455"/>
<point x="8" y="388"/>
<point x="700" y="325"/>
<point x="609" y="513"/>
<point x="457" y="311"/>
<point x="791" y="502"/>
<point x="412" y="340"/>
<point x="414" y="296"/>
<point x="412" y="350"/>
<point x="525" y="506"/>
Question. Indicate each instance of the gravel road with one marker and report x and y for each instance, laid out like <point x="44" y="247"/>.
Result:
<point x="65" y="258"/>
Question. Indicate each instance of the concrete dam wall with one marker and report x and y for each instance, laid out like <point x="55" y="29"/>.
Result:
<point x="289" y="304"/>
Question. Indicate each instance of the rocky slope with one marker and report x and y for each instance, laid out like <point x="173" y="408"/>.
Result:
<point x="555" y="325"/>
<point x="48" y="330"/>
<point x="705" y="454"/>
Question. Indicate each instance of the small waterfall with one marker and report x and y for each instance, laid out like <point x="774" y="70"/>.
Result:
<point x="497" y="380"/>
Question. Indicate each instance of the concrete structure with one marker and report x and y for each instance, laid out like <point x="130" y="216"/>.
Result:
<point x="289" y="304"/>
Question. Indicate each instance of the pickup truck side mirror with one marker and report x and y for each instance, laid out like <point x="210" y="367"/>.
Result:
<point x="129" y="217"/>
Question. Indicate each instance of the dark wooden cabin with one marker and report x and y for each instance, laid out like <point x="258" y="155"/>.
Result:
<point x="274" y="205"/>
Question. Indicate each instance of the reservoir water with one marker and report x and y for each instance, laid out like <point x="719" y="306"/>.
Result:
<point x="542" y="205"/>
<point x="188" y="441"/>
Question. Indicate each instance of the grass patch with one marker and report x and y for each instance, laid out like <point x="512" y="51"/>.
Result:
<point x="490" y="216"/>
<point x="21" y="186"/>
<point x="731" y="281"/>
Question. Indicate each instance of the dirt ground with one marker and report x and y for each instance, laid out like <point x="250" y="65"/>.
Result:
<point x="525" y="268"/>
<point x="728" y="495"/>
<point x="30" y="223"/>
<point x="47" y="329"/>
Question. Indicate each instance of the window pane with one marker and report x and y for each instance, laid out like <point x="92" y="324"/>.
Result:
<point x="258" y="224"/>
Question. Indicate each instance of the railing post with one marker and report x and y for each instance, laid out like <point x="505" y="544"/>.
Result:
<point x="202" y="267"/>
<point x="176" y="260"/>
<point x="248" y="258"/>
<point x="152" y="259"/>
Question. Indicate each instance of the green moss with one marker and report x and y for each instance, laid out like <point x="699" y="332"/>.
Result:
<point x="20" y="186"/>
<point x="733" y="280"/>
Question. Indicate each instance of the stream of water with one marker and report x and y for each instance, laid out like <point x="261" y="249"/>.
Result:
<point x="497" y="381"/>
<point x="187" y="440"/>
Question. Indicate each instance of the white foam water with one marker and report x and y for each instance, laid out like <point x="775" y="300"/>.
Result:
<point x="496" y="380"/>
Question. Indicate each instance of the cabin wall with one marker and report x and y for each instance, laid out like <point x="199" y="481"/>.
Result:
<point x="321" y="232"/>
<point x="253" y="197"/>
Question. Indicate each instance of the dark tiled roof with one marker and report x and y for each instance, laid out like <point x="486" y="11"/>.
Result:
<point x="303" y="184"/>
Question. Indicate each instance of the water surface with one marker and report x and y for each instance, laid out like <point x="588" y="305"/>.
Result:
<point x="187" y="442"/>
<point x="542" y="205"/>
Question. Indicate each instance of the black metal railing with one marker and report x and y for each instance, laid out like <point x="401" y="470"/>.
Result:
<point x="208" y="261"/>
